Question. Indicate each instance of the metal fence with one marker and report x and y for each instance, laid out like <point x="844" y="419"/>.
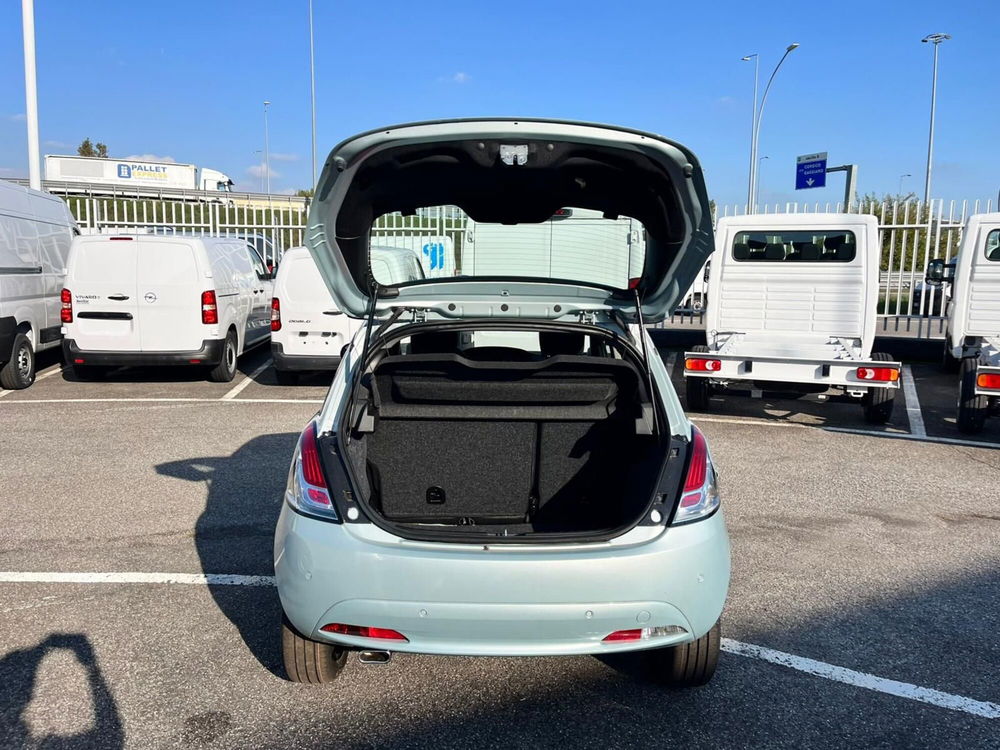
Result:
<point x="911" y="234"/>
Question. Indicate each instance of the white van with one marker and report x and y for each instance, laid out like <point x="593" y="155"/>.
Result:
<point x="36" y="230"/>
<point x="308" y="332"/>
<point x="163" y="300"/>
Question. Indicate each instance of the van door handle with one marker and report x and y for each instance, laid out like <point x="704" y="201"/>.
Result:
<point x="118" y="297"/>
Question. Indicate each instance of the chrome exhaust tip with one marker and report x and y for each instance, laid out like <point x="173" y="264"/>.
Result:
<point x="374" y="657"/>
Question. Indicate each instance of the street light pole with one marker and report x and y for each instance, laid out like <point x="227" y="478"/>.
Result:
<point x="760" y="109"/>
<point x="901" y="178"/>
<point x="936" y="40"/>
<point x="753" y="128"/>
<point x="756" y="187"/>
<point x="267" y="153"/>
<point x="31" y="93"/>
<point x="312" y="91"/>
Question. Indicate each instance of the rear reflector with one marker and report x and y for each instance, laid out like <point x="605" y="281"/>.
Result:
<point x="364" y="631"/>
<point x="209" y="309"/>
<point x="988" y="380"/>
<point x="624" y="635"/>
<point x="702" y="365"/>
<point x="275" y="314"/>
<point x="883" y="374"/>
<point x="66" y="312"/>
<point x="77" y="361"/>
<point x="641" y="634"/>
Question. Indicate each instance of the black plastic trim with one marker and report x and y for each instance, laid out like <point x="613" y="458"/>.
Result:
<point x="302" y="362"/>
<point x="210" y="353"/>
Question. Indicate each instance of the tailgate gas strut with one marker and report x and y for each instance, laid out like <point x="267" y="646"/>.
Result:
<point x="649" y="412"/>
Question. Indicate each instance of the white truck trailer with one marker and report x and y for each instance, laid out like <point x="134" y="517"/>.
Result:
<point x="129" y="173"/>
<point x="792" y="306"/>
<point x="972" y="342"/>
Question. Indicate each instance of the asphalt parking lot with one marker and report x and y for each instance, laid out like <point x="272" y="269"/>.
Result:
<point x="137" y="611"/>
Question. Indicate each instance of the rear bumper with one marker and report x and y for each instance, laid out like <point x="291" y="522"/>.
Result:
<point x="833" y="372"/>
<point x="461" y="599"/>
<point x="302" y="362"/>
<point x="210" y="353"/>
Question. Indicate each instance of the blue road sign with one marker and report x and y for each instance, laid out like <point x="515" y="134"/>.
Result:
<point x="810" y="171"/>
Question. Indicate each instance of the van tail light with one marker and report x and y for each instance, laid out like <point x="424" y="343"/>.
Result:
<point x="307" y="489"/>
<point x="66" y="312"/>
<point x="988" y="380"/>
<point x="275" y="314"/>
<point x="697" y="364"/>
<point x="209" y="308"/>
<point x="700" y="494"/>
<point x="364" y="631"/>
<point x="879" y="374"/>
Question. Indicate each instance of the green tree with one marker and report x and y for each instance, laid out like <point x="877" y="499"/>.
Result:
<point x="305" y="193"/>
<point x="99" y="150"/>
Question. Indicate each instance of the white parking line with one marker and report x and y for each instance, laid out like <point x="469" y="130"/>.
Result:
<point x="916" y="417"/>
<point x="238" y="388"/>
<point x="760" y="422"/>
<point x="164" y="400"/>
<point x="864" y="680"/>
<point x="809" y="666"/>
<point x="54" y="370"/>
<point x="906" y="436"/>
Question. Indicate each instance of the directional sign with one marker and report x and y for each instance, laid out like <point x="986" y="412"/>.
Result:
<point x="810" y="171"/>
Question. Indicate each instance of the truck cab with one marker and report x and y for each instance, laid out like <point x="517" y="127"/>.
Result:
<point x="972" y="343"/>
<point x="793" y="306"/>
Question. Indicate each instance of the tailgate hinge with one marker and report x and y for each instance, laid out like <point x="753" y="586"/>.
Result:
<point x="588" y="316"/>
<point x="419" y="315"/>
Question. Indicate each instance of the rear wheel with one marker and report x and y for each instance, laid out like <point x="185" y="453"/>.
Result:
<point x="19" y="372"/>
<point x="972" y="409"/>
<point x="698" y="391"/>
<point x="307" y="660"/>
<point x="688" y="664"/>
<point x="286" y="377"/>
<point x="879" y="402"/>
<point x="225" y="371"/>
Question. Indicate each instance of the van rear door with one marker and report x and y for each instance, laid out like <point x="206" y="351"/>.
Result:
<point x="170" y="288"/>
<point x="102" y="283"/>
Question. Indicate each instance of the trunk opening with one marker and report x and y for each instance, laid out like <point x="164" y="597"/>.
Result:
<point x="506" y="442"/>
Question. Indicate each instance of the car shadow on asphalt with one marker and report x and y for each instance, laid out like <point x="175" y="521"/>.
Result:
<point x="235" y="533"/>
<point x="19" y="671"/>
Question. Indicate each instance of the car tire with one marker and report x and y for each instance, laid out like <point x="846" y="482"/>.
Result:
<point x="972" y="409"/>
<point x="687" y="664"/>
<point x="19" y="372"/>
<point x="90" y="372"/>
<point x="949" y="363"/>
<point x="307" y="660"/>
<point x="286" y="377"/>
<point x="878" y="403"/>
<point x="698" y="391"/>
<point x="225" y="371"/>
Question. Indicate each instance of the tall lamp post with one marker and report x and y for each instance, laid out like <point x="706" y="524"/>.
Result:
<point x="936" y="40"/>
<point x="312" y="91"/>
<point x="756" y="187"/>
<point x="753" y="128"/>
<point x="267" y="153"/>
<point x="31" y="94"/>
<point x="760" y="115"/>
<point x="901" y="178"/>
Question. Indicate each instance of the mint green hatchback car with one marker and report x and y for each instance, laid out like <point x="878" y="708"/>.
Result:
<point x="501" y="466"/>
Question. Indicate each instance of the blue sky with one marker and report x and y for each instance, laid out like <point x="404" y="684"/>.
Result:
<point x="187" y="80"/>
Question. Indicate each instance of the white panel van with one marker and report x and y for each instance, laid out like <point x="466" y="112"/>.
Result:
<point x="163" y="300"/>
<point x="308" y="331"/>
<point x="36" y="230"/>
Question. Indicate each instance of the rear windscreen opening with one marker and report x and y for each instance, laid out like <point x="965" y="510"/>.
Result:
<point x="575" y="245"/>
<point x="803" y="246"/>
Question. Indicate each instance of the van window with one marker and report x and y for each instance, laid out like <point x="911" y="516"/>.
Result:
<point x="993" y="245"/>
<point x="803" y="246"/>
<point x="166" y="263"/>
<point x="255" y="260"/>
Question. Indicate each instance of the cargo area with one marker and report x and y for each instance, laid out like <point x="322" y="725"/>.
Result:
<point x="508" y="441"/>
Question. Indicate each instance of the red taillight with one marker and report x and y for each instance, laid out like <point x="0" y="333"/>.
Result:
<point x="275" y="314"/>
<point x="66" y="313"/>
<point x="883" y="374"/>
<point x="698" y="467"/>
<point x="365" y="631"/>
<point x="988" y="380"/>
<point x="312" y="471"/>
<point x="702" y="365"/>
<point x="209" y="309"/>
<point x="624" y="635"/>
